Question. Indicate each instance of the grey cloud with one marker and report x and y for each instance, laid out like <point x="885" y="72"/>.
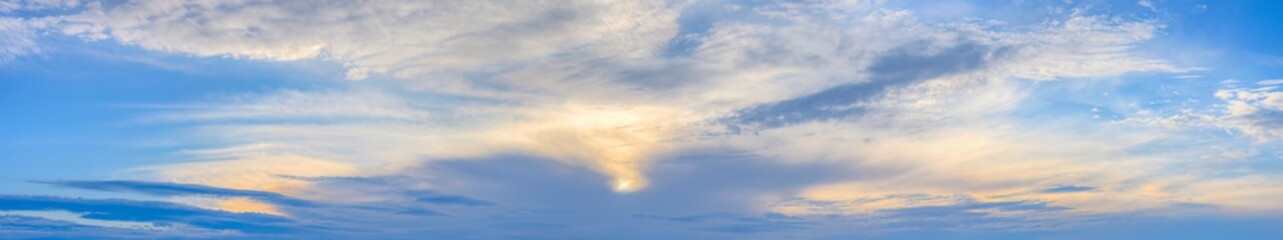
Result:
<point x="445" y="199"/>
<point x="902" y="67"/>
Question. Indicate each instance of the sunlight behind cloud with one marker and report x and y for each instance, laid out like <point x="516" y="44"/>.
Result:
<point x="619" y="141"/>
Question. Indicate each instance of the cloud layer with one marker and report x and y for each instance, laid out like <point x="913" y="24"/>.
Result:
<point x="704" y="119"/>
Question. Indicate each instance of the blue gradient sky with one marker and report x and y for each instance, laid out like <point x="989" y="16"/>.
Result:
<point x="641" y="119"/>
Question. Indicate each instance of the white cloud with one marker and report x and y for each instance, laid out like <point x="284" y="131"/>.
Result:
<point x="1146" y="4"/>
<point x="293" y="104"/>
<point x="401" y="38"/>
<point x="1256" y="112"/>
<point x="1270" y="82"/>
<point x="1084" y="46"/>
<point x="16" y="39"/>
<point x="31" y="5"/>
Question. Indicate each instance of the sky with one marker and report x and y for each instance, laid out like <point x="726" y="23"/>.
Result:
<point x="666" y="119"/>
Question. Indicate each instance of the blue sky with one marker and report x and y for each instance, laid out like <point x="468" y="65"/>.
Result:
<point x="694" y="119"/>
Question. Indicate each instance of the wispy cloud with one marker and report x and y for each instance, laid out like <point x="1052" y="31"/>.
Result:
<point x="16" y="39"/>
<point x="174" y="189"/>
<point x="150" y="211"/>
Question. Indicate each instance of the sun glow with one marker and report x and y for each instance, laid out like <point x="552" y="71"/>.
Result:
<point x="624" y="186"/>
<point x="614" y="140"/>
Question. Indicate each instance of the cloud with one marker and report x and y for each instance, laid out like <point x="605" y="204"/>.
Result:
<point x="1270" y="82"/>
<point x="287" y="105"/>
<point x="405" y="38"/>
<point x="1255" y="112"/>
<point x="803" y="76"/>
<point x="896" y="69"/>
<point x="1146" y="4"/>
<point x="253" y="173"/>
<point x="8" y="6"/>
<point x="22" y="22"/>
<point x="188" y="221"/>
<point x="186" y="208"/>
<point x="163" y="213"/>
<point x="824" y="117"/>
<point x="16" y="39"/>
<point x="587" y="106"/>
<point x="989" y="163"/>
<point x="175" y="189"/>
<point x="444" y="199"/>
<point x="17" y="226"/>
<point x="708" y="195"/>
<point x="1084" y="46"/>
